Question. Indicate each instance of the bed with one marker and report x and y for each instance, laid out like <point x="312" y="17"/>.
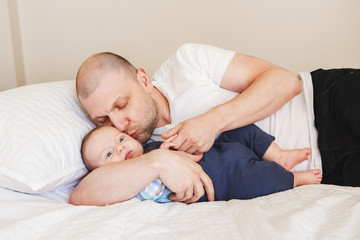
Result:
<point x="41" y="128"/>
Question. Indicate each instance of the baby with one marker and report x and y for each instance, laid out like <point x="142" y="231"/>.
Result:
<point x="234" y="163"/>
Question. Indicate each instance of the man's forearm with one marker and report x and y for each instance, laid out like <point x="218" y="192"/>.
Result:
<point x="116" y="182"/>
<point x="267" y="94"/>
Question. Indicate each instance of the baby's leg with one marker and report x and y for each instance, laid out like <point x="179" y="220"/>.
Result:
<point x="237" y="173"/>
<point x="307" y="177"/>
<point x="286" y="158"/>
<point x="250" y="136"/>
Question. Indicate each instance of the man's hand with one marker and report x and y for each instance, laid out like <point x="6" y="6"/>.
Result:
<point x="182" y="175"/>
<point x="194" y="135"/>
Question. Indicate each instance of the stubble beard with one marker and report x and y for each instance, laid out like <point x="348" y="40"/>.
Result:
<point x="150" y="121"/>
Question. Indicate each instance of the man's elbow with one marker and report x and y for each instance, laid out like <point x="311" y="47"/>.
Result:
<point x="297" y="86"/>
<point x="294" y="84"/>
<point x="75" y="199"/>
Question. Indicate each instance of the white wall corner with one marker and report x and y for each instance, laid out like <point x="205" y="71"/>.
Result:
<point x="7" y="68"/>
<point x="16" y="42"/>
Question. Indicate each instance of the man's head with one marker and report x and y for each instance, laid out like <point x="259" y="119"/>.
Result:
<point x="114" y="92"/>
<point x="104" y="145"/>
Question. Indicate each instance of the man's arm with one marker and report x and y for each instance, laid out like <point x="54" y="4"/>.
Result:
<point x="264" y="89"/>
<point x="117" y="182"/>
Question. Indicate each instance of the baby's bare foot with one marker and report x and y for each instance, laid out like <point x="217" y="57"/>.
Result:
<point x="290" y="158"/>
<point x="307" y="177"/>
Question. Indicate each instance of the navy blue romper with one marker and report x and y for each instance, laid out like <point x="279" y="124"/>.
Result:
<point x="234" y="164"/>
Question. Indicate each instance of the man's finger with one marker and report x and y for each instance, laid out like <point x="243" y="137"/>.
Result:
<point x="171" y="138"/>
<point x="180" y="198"/>
<point x="183" y="196"/>
<point x="191" y="149"/>
<point x="198" y="193"/>
<point x="208" y="185"/>
<point x="172" y="131"/>
<point x="195" y="198"/>
<point x="196" y="158"/>
<point x="180" y="142"/>
<point x="176" y="197"/>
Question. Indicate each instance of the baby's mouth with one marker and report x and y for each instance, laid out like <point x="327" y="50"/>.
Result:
<point x="129" y="154"/>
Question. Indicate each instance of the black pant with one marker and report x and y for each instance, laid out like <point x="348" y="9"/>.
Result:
<point x="337" y="119"/>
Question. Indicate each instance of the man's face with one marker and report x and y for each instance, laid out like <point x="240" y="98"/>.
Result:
<point x="124" y="103"/>
<point x="108" y="145"/>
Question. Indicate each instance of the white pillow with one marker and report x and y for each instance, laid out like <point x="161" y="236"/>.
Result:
<point x="41" y="130"/>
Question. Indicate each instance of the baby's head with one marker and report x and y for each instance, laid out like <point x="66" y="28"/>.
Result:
<point x="106" y="144"/>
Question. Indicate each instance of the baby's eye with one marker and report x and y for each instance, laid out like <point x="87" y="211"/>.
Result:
<point x="121" y="139"/>
<point x="108" y="154"/>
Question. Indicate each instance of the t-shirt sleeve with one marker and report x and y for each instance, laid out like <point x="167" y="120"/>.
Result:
<point x="198" y="61"/>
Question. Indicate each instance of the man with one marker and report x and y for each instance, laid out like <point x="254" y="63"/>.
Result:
<point x="196" y="95"/>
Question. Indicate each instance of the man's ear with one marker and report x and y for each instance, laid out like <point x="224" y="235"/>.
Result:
<point x="144" y="79"/>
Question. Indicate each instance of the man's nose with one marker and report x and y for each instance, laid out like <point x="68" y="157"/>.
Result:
<point x="119" y="122"/>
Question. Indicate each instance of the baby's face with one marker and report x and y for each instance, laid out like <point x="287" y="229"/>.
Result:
<point x="108" y="145"/>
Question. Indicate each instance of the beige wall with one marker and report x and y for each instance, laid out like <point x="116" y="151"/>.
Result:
<point x="7" y="70"/>
<point x="56" y="36"/>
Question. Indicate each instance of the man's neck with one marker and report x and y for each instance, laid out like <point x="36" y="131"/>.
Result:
<point x="163" y="107"/>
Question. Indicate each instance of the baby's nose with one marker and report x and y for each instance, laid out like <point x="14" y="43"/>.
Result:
<point x="119" y="148"/>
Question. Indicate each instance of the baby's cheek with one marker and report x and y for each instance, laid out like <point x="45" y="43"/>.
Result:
<point x="136" y="154"/>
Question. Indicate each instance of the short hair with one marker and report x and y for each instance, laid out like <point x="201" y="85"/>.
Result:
<point x="93" y="69"/>
<point x="83" y="144"/>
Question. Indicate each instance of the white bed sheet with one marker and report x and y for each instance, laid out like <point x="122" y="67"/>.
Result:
<point x="307" y="212"/>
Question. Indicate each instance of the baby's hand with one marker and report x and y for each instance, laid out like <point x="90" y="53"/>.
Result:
<point x="167" y="144"/>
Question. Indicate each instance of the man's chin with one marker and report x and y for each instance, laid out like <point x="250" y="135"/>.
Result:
<point x="143" y="139"/>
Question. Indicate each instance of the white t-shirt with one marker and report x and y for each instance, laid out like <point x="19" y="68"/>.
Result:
<point x="190" y="80"/>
